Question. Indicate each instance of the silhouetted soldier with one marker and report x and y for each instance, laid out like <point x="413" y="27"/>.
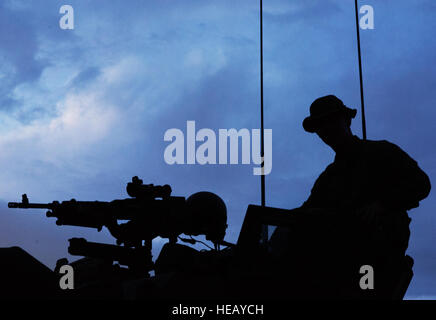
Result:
<point x="356" y="212"/>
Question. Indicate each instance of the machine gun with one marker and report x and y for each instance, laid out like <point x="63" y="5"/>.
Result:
<point x="151" y="212"/>
<point x="96" y="214"/>
<point x="251" y="269"/>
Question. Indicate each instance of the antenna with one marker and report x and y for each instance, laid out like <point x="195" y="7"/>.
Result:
<point x="264" y="234"/>
<point x="360" y="72"/>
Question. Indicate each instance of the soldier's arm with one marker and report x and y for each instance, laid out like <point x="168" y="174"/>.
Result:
<point x="406" y="182"/>
<point x="318" y="189"/>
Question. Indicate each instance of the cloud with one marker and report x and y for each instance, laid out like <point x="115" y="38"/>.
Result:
<point x="279" y="12"/>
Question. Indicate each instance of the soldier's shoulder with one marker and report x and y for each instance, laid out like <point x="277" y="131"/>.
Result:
<point x="384" y="148"/>
<point x="380" y="145"/>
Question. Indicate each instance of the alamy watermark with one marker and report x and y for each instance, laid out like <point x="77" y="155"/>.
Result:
<point x="367" y="280"/>
<point x="67" y="20"/>
<point x="228" y="139"/>
<point x="67" y="280"/>
<point x="367" y="20"/>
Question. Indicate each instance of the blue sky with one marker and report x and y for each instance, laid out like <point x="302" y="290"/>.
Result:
<point x="84" y="110"/>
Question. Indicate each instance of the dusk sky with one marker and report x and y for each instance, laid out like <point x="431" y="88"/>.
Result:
<point x="84" y="110"/>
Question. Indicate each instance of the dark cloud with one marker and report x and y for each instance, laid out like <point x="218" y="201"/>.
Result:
<point x="85" y="77"/>
<point x="283" y="13"/>
<point x="18" y="48"/>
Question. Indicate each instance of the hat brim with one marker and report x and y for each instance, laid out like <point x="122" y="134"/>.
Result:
<point x="308" y="125"/>
<point x="311" y="124"/>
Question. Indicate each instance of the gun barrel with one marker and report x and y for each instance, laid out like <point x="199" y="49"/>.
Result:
<point x="133" y="257"/>
<point x="30" y="205"/>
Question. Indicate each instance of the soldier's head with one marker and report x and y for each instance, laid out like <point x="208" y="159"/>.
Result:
<point x="330" y="119"/>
